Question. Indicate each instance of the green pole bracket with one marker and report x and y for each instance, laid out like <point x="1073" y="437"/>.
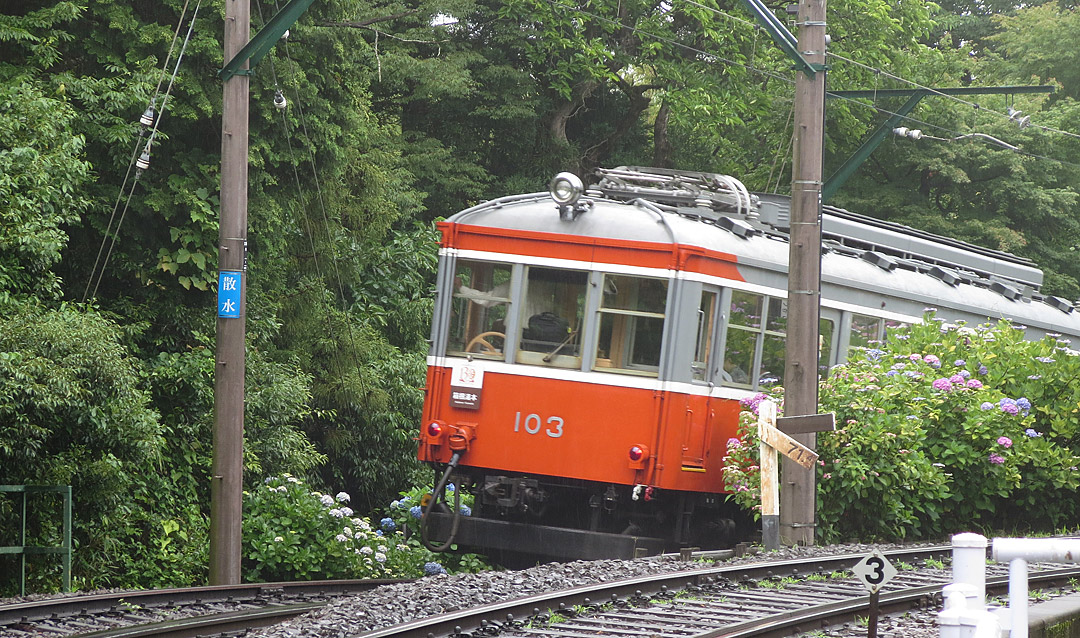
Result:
<point x="257" y="48"/>
<point x="780" y="34"/>
<point x="914" y="96"/>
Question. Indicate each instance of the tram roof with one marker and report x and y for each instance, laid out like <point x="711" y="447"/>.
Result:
<point x="860" y="253"/>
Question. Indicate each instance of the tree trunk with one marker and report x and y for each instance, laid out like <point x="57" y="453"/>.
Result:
<point x="661" y="142"/>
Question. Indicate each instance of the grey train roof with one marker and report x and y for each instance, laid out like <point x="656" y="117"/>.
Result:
<point x="879" y="266"/>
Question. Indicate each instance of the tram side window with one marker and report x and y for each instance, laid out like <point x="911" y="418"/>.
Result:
<point x="825" y="340"/>
<point x="703" y="345"/>
<point x="756" y="321"/>
<point x="551" y="323"/>
<point x="865" y="332"/>
<point x="744" y="326"/>
<point x="631" y="324"/>
<point x="479" y="307"/>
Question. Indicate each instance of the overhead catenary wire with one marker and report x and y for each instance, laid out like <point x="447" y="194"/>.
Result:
<point x="854" y="101"/>
<point x="322" y="208"/>
<point x="144" y="158"/>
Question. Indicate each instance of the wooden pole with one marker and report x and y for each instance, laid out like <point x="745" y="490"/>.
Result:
<point x="226" y="484"/>
<point x="804" y="273"/>
<point x="770" y="484"/>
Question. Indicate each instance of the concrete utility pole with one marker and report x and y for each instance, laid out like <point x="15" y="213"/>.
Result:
<point x="226" y="484"/>
<point x="797" y="502"/>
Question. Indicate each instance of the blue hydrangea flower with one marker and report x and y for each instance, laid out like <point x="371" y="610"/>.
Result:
<point x="1031" y="433"/>
<point x="960" y="363"/>
<point x="986" y="405"/>
<point x="415" y="511"/>
<point x="388" y="524"/>
<point x="431" y="569"/>
<point x="983" y="370"/>
<point x="395" y="505"/>
<point x="466" y="510"/>
<point x="1023" y="403"/>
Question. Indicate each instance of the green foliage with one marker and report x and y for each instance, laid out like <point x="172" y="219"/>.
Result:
<point x="977" y="423"/>
<point x="41" y="177"/>
<point x="291" y="533"/>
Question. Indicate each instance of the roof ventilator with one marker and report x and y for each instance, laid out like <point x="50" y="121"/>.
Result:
<point x="944" y="274"/>
<point x="736" y="227"/>
<point x="1005" y="291"/>
<point x="879" y="260"/>
<point x="1060" y="304"/>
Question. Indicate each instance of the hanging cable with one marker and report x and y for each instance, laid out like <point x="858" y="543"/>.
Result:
<point x="143" y="161"/>
<point x="145" y="120"/>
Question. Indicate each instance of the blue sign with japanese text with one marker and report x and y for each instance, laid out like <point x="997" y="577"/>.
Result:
<point x="228" y="295"/>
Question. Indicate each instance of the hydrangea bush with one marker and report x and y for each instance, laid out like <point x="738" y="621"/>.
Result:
<point x="293" y="533"/>
<point x="403" y="516"/>
<point x="940" y="427"/>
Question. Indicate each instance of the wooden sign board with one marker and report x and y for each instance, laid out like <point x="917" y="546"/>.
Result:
<point x="788" y="446"/>
<point x="806" y="424"/>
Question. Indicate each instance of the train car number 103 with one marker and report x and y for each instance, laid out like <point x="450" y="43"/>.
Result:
<point x="534" y="423"/>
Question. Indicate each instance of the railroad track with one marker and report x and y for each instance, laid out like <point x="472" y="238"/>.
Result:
<point x="174" y="612"/>
<point x="768" y="599"/>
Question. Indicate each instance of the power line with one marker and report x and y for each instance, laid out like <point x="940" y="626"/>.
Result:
<point x="144" y="160"/>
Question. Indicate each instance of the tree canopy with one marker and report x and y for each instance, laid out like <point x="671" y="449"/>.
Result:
<point x="399" y="114"/>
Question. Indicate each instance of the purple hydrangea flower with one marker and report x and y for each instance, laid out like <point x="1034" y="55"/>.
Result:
<point x="987" y="405"/>
<point x="915" y="357"/>
<point x="956" y="379"/>
<point x="1010" y="408"/>
<point x="983" y="370"/>
<point x="996" y="459"/>
<point x="1030" y="432"/>
<point x="932" y="360"/>
<point x="965" y="374"/>
<point x="1004" y="441"/>
<point x="960" y="363"/>
<point x="942" y="384"/>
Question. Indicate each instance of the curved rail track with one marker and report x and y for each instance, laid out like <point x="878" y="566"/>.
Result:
<point x="768" y="599"/>
<point x="196" y="611"/>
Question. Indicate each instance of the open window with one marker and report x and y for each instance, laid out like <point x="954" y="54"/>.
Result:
<point x="552" y="314"/>
<point x="703" y="343"/>
<point x="479" y="307"/>
<point x="631" y="318"/>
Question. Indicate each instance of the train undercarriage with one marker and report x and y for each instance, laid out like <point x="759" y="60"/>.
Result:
<point x="559" y="518"/>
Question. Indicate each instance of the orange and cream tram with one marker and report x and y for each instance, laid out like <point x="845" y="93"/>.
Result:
<point x="589" y="348"/>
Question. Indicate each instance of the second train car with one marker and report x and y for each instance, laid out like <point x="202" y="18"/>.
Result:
<point x="589" y="348"/>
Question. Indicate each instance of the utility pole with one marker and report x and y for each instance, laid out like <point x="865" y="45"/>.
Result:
<point x="226" y="482"/>
<point x="797" y="496"/>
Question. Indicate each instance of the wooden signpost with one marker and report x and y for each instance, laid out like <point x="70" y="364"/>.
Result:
<point x="773" y="435"/>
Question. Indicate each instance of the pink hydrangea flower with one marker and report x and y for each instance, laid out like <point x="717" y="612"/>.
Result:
<point x="1004" y="441"/>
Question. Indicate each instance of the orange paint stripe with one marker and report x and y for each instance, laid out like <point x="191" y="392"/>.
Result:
<point x="591" y="249"/>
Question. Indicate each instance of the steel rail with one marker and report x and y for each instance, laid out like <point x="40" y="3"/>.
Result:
<point x="471" y="620"/>
<point x="52" y="608"/>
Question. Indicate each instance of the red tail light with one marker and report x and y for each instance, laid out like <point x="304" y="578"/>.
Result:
<point x="434" y="429"/>
<point x="637" y="453"/>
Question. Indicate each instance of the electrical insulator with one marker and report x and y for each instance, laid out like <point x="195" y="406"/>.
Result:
<point x="147" y="117"/>
<point x="279" y="100"/>
<point x="143" y="162"/>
